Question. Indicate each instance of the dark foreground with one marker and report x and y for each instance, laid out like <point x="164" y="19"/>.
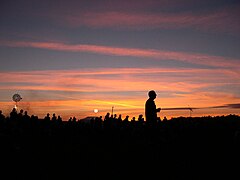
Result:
<point x="181" y="148"/>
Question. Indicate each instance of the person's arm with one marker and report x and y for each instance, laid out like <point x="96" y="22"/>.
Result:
<point x="158" y="109"/>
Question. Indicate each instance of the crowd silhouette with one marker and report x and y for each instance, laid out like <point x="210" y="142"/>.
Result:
<point x="118" y="147"/>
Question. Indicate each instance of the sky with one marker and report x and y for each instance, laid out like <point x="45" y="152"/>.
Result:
<point x="70" y="57"/>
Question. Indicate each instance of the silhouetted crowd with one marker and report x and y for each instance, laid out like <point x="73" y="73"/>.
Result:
<point x="113" y="147"/>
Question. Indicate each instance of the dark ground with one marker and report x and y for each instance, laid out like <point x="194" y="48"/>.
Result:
<point x="180" y="148"/>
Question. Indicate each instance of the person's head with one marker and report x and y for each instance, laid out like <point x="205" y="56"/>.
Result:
<point x="152" y="94"/>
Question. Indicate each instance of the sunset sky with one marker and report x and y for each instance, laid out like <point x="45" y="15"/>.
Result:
<point x="70" y="57"/>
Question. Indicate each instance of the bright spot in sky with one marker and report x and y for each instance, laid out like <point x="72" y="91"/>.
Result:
<point x="95" y="110"/>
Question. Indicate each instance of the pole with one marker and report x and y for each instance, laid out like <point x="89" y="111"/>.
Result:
<point x="178" y="108"/>
<point x="234" y="106"/>
<point x="112" y="110"/>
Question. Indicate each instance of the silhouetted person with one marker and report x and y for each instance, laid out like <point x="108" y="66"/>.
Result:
<point x="20" y="115"/>
<point x="107" y="117"/>
<point x="165" y="119"/>
<point x="47" y="118"/>
<point x="98" y="122"/>
<point x="26" y="117"/>
<point x="74" y="119"/>
<point x="140" y="118"/>
<point x="125" y="121"/>
<point x="133" y="119"/>
<point x="2" y="117"/>
<point x="13" y="114"/>
<point x="59" y="119"/>
<point x="120" y="118"/>
<point x="54" y="117"/>
<point x="150" y="109"/>
<point x="106" y="120"/>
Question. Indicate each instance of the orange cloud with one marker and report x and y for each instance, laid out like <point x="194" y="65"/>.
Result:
<point x="172" y="80"/>
<point x="93" y="76"/>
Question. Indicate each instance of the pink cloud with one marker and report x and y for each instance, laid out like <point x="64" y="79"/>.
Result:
<point x="222" y="20"/>
<point x="194" y="58"/>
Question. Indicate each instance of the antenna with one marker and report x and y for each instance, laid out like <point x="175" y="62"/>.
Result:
<point x="112" y="110"/>
<point x="190" y="111"/>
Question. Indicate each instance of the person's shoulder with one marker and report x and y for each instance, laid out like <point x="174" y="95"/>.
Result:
<point x="149" y="101"/>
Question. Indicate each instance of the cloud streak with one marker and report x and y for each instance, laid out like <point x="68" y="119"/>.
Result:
<point x="193" y="58"/>
<point x="124" y="79"/>
<point x="221" y="20"/>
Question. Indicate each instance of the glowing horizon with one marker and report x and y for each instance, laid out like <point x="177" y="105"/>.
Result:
<point x="77" y="93"/>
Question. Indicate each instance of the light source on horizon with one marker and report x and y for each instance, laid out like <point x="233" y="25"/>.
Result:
<point x="95" y="110"/>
